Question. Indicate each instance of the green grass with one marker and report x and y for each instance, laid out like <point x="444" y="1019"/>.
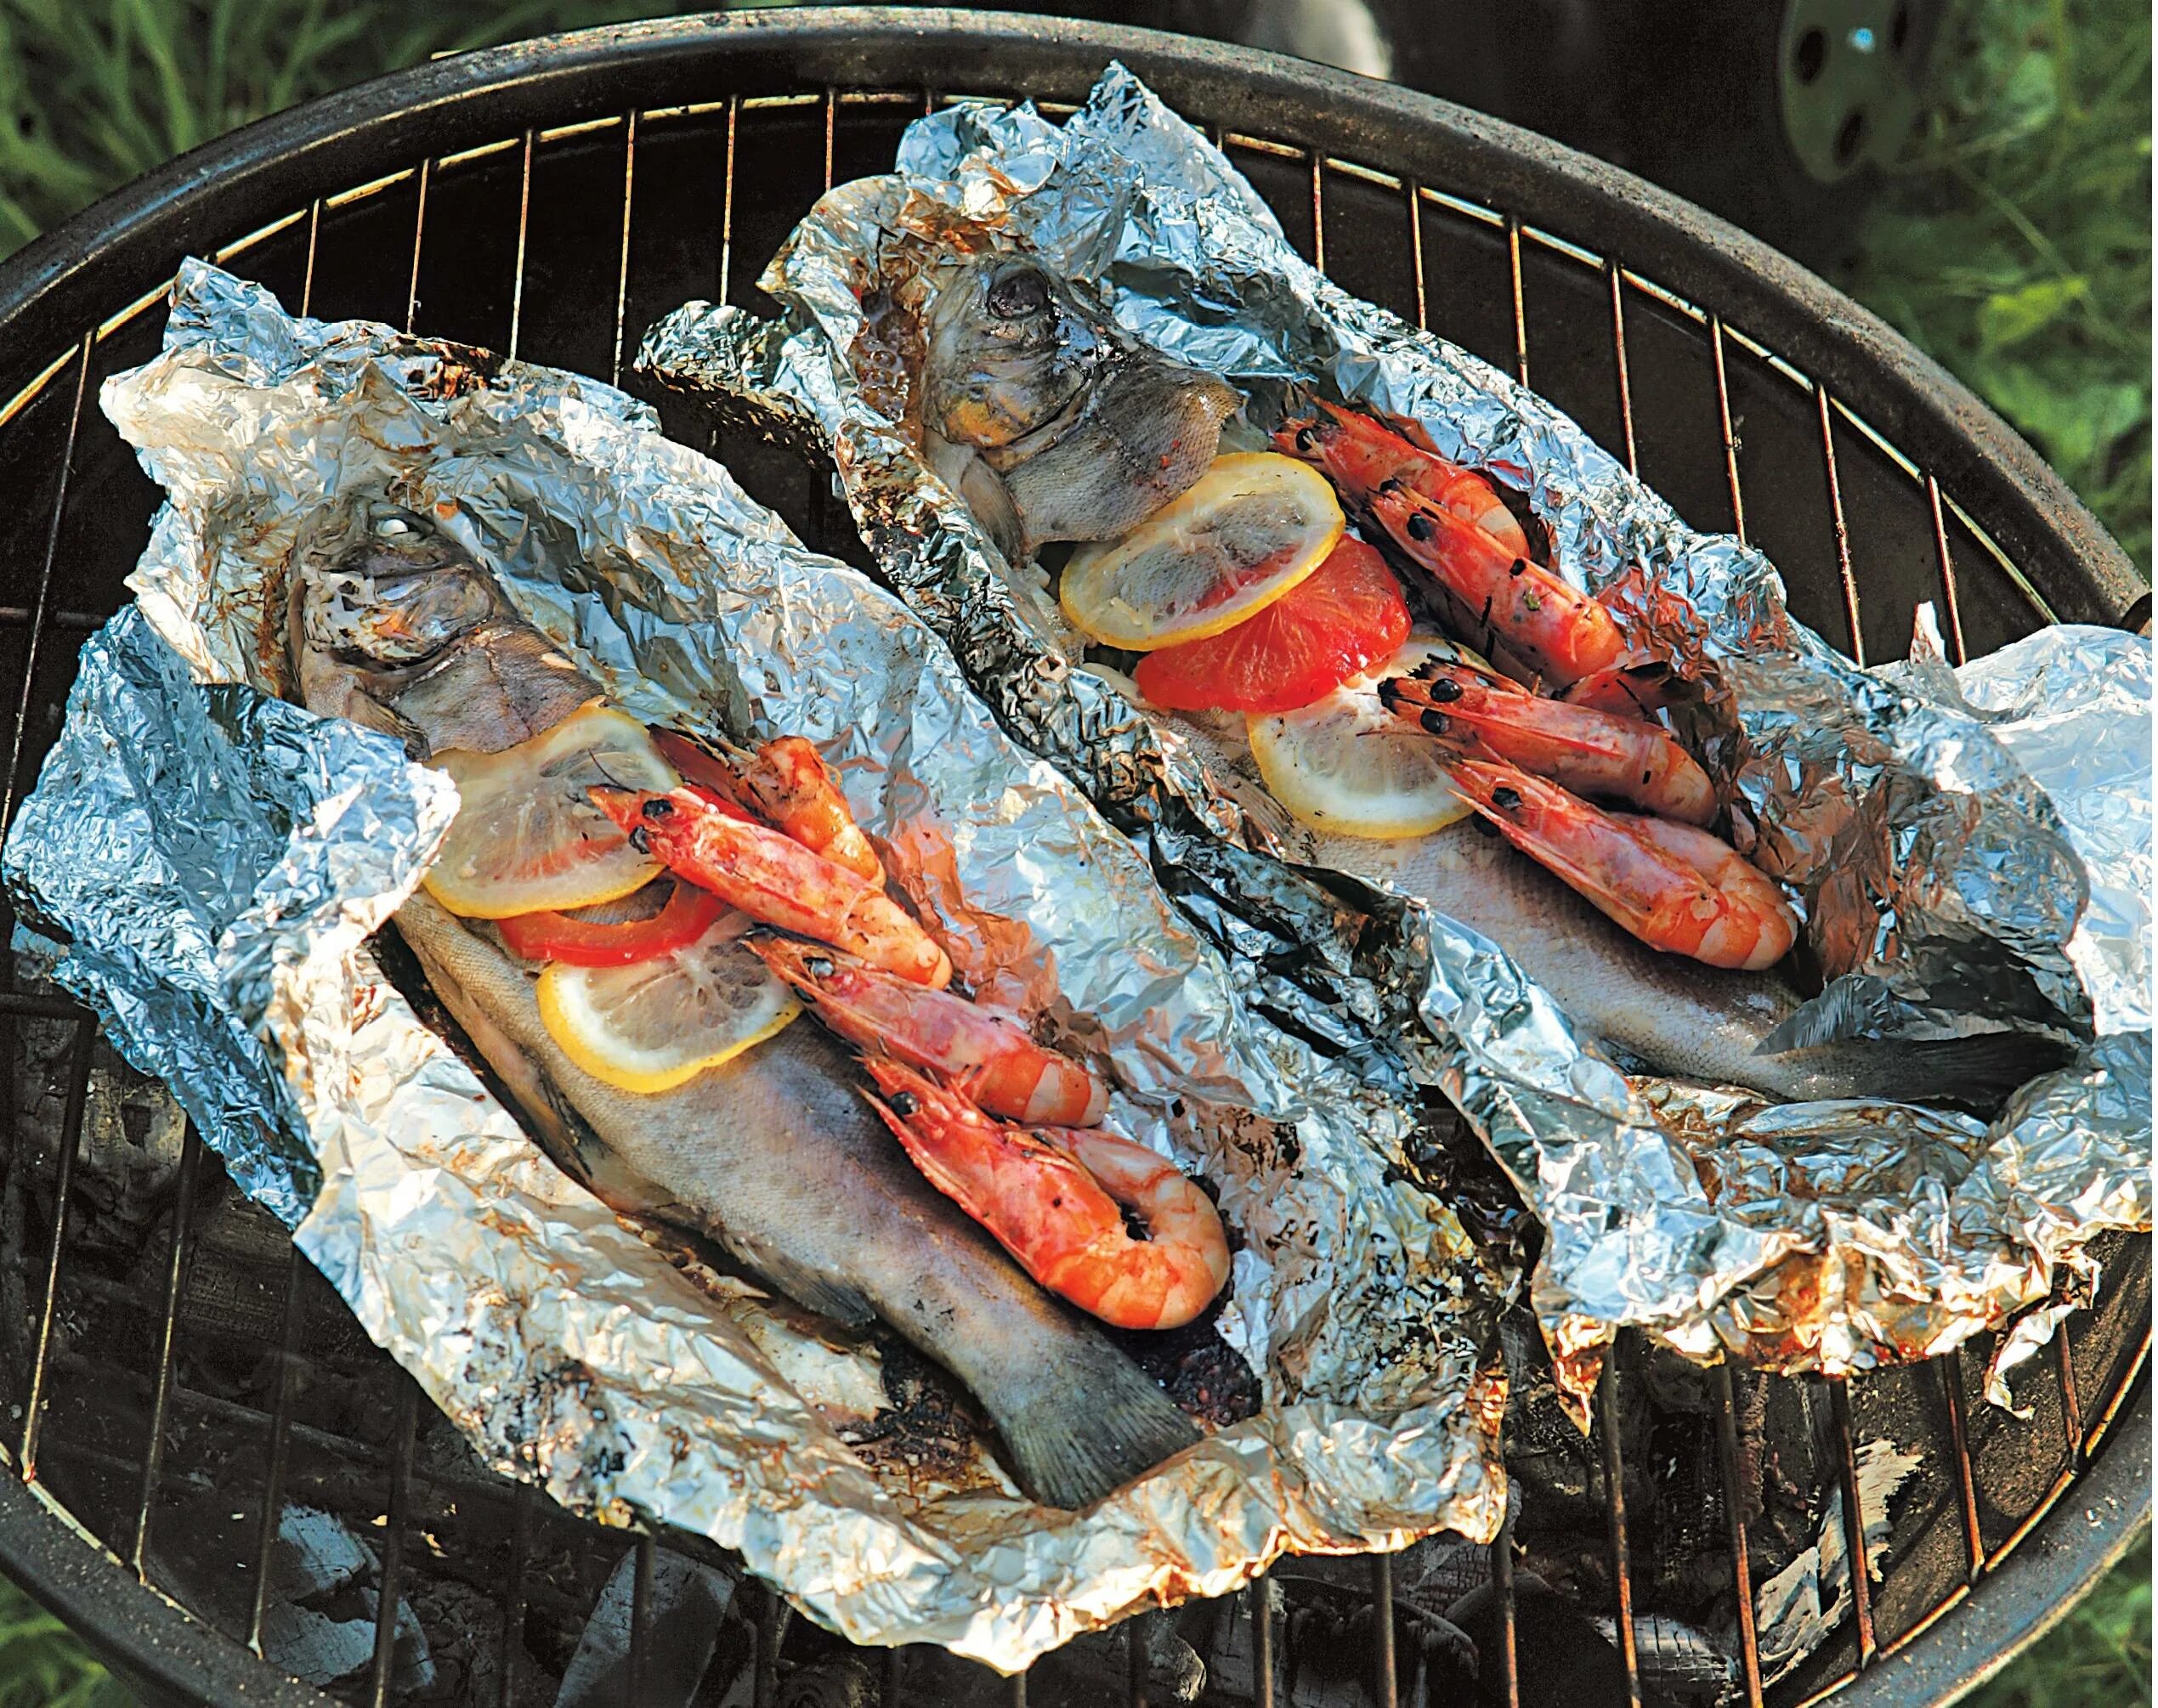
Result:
<point x="2013" y="244"/>
<point x="42" y="1666"/>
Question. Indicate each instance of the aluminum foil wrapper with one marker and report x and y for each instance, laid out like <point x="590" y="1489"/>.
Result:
<point x="213" y="861"/>
<point x="1961" y="866"/>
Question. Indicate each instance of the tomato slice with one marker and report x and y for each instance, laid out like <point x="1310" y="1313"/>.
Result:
<point x="688" y="914"/>
<point x="1347" y="614"/>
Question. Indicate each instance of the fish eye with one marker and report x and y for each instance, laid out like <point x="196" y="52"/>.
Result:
<point x="1019" y="293"/>
<point x="390" y="526"/>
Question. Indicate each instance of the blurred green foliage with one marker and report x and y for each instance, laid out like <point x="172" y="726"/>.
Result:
<point x="2013" y="246"/>
<point x="42" y="1666"/>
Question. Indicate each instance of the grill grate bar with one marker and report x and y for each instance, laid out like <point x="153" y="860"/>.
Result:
<point x="419" y="231"/>
<point x="1262" y="1640"/>
<point x="78" y="1091"/>
<point x="831" y="128"/>
<point x="1618" y="348"/>
<point x="1615" y="1504"/>
<point x="390" y="1588"/>
<point x="513" y="1608"/>
<point x="727" y="198"/>
<point x="524" y="226"/>
<point x="161" y="1405"/>
<point x="1520" y="319"/>
<point x="1318" y="211"/>
<point x="2071" y="1403"/>
<point x="895" y="1677"/>
<point x="771" y="1633"/>
<point x="640" y="1609"/>
<point x="1385" y="1690"/>
<point x="1731" y="436"/>
<point x="1861" y="1574"/>
<point x="1843" y="530"/>
<point x="280" y="1433"/>
<point x="1136" y="1629"/>
<point x="1502" y="1573"/>
<point x="1950" y="596"/>
<point x="1017" y="1691"/>
<point x="307" y="279"/>
<point x="1416" y="252"/>
<point x="1950" y="1367"/>
<point x="1728" y="1467"/>
<point x="45" y="576"/>
<point x="623" y="275"/>
<point x="2120" y="1394"/>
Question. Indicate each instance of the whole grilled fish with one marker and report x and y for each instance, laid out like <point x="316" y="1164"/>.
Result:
<point x="774" y="1155"/>
<point x="1047" y="418"/>
<point x="1666" y="1013"/>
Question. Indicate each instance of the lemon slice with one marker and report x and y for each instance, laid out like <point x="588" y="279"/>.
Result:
<point x="651" y="1027"/>
<point x="1254" y="525"/>
<point x="527" y="835"/>
<point x="1348" y="766"/>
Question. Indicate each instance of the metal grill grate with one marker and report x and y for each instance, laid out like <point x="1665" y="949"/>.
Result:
<point x="589" y="251"/>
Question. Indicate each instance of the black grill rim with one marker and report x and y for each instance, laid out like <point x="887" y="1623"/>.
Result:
<point x="125" y="245"/>
<point x="128" y="244"/>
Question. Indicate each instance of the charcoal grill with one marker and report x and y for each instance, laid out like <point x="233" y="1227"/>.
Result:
<point x="178" y="1384"/>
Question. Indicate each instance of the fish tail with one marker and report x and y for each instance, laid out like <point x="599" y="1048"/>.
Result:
<point x="1977" y="1074"/>
<point x="1103" y="1424"/>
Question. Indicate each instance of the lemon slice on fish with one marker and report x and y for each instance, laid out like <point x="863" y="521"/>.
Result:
<point x="654" y="1025"/>
<point x="1254" y="525"/>
<point x="527" y="835"/>
<point x="1347" y="765"/>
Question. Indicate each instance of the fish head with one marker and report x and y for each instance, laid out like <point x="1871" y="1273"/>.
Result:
<point x="393" y="623"/>
<point x="390" y="592"/>
<point x="1010" y="350"/>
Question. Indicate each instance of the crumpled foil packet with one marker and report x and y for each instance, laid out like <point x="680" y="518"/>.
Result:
<point x="1950" y="866"/>
<point x="213" y="861"/>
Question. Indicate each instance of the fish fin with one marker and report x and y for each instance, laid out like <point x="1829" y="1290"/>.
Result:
<point x="1107" y="1425"/>
<point x="1978" y="1073"/>
<point x="844" y="1303"/>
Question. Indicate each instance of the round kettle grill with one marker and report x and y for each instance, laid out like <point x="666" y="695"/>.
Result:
<point x="194" y="1423"/>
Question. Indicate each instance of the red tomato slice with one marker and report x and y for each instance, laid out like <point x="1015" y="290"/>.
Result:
<point x="688" y="914"/>
<point x="1347" y="614"/>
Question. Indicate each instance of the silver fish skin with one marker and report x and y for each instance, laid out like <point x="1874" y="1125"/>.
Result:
<point x="1047" y="418"/>
<point x="775" y="1155"/>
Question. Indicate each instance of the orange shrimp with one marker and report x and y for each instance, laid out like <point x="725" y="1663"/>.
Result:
<point x="774" y="879"/>
<point x="1357" y="451"/>
<point x="1052" y="1196"/>
<point x="1676" y="888"/>
<point x="1004" y="1071"/>
<point x="1557" y="630"/>
<point x="1589" y="751"/>
<point x="787" y="781"/>
<point x="1633" y="687"/>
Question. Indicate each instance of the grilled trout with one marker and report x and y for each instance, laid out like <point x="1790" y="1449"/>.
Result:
<point x="775" y="1155"/>
<point x="1048" y="419"/>
<point x="1667" y="1013"/>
